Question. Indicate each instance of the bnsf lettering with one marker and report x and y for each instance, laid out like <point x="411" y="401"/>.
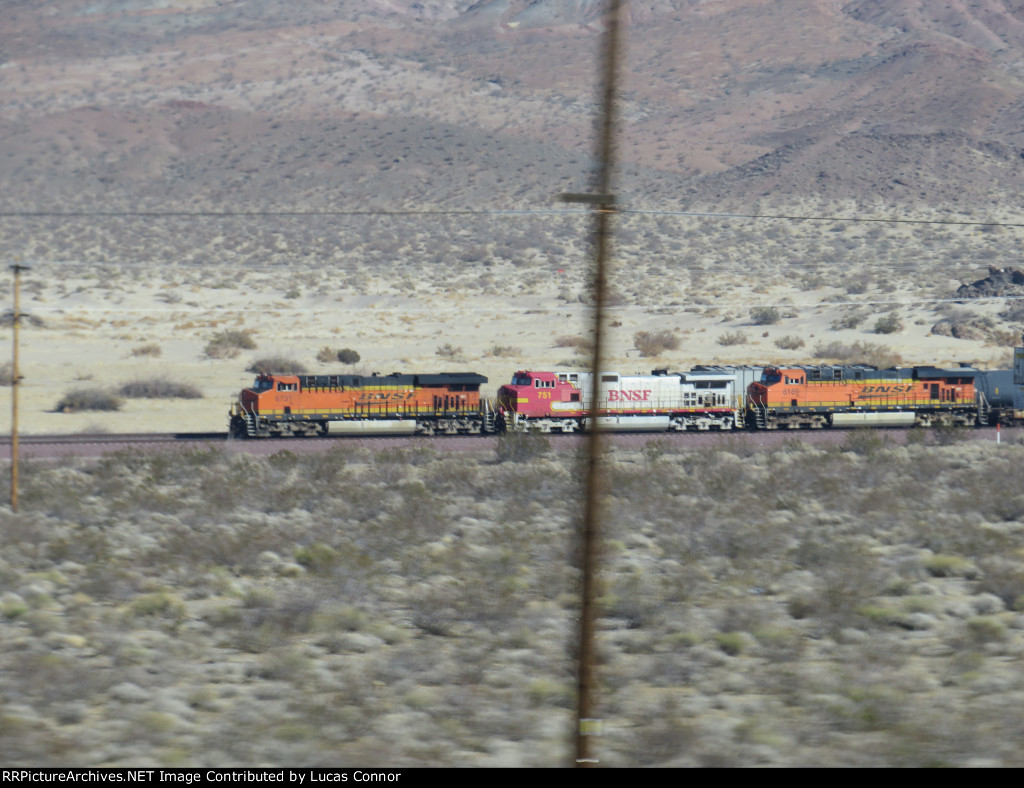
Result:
<point x="386" y="396"/>
<point x="887" y="389"/>
<point x="632" y="395"/>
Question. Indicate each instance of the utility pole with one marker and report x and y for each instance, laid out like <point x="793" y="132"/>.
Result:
<point x="17" y="268"/>
<point x="587" y="725"/>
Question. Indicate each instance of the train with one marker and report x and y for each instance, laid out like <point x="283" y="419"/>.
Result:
<point x="707" y="397"/>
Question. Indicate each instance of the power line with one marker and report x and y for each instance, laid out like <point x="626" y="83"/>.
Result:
<point x="797" y="218"/>
<point x="290" y="213"/>
<point x="575" y="213"/>
<point x="71" y="310"/>
<point x="692" y="267"/>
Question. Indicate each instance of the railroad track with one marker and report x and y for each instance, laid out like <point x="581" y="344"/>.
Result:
<point x="115" y="437"/>
<point x="626" y="440"/>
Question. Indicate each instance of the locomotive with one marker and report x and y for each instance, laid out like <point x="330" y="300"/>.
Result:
<point x="560" y="401"/>
<point x="856" y="396"/>
<point x="705" y="398"/>
<point x="300" y="405"/>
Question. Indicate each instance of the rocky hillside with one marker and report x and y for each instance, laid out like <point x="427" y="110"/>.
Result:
<point x="306" y="104"/>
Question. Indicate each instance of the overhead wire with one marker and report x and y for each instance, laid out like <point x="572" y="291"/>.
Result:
<point x="574" y="212"/>
<point x="745" y="265"/>
<point x="188" y="310"/>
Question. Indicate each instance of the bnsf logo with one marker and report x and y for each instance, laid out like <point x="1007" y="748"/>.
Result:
<point x="887" y="389"/>
<point x="385" y="396"/>
<point x="633" y="395"/>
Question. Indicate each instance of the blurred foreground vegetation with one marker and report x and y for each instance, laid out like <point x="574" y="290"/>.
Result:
<point x="856" y="605"/>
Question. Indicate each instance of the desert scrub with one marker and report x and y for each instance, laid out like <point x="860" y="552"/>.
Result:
<point x="789" y="342"/>
<point x="448" y="352"/>
<point x="732" y="338"/>
<point x="88" y="399"/>
<point x="581" y="345"/>
<point x="521" y="447"/>
<point x="347" y="355"/>
<point x="149" y="350"/>
<point x="851" y="320"/>
<point x="654" y="343"/>
<point x="942" y="565"/>
<point x="320" y="566"/>
<point x="765" y="315"/>
<point x="732" y="643"/>
<point x="880" y="356"/>
<point x="1004" y="577"/>
<point x="228" y="344"/>
<point x="503" y="351"/>
<point x="276" y="364"/>
<point x="889" y="324"/>
<point x="159" y="388"/>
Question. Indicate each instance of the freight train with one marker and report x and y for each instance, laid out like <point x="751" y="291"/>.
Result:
<point x="705" y="398"/>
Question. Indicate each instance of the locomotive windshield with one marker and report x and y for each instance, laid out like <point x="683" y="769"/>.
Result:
<point x="774" y="377"/>
<point x="520" y="381"/>
<point x="262" y="384"/>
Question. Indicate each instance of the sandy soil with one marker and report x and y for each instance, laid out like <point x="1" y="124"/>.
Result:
<point x="90" y="332"/>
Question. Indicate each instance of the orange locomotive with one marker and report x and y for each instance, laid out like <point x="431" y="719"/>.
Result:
<point x="280" y="405"/>
<point x="849" y="396"/>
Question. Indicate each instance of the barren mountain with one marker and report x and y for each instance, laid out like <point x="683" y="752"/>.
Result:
<point x="306" y="104"/>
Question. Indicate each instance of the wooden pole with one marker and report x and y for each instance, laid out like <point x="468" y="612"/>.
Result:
<point x="587" y="725"/>
<point x="15" y="383"/>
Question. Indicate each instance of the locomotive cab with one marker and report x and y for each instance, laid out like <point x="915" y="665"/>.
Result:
<point x="532" y="394"/>
<point x="772" y="381"/>
<point x="267" y="389"/>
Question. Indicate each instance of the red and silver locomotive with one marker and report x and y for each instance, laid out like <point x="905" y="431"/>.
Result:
<point x="560" y="401"/>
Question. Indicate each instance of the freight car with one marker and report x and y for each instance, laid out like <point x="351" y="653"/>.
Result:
<point x="560" y="401"/>
<point x="856" y="395"/>
<point x="283" y="405"/>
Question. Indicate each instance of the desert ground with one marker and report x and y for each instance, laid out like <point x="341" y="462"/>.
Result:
<point x="797" y="182"/>
<point x="720" y="291"/>
<point x="849" y="605"/>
